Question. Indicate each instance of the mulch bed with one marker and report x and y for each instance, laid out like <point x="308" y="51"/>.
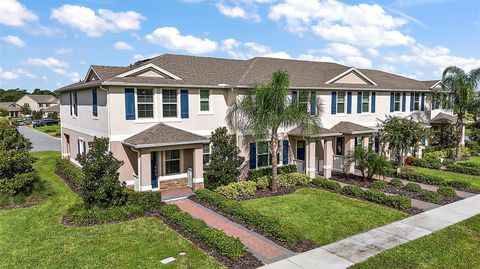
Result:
<point x="299" y="247"/>
<point x="359" y="181"/>
<point x="70" y="184"/>
<point x="248" y="261"/>
<point x="25" y="204"/>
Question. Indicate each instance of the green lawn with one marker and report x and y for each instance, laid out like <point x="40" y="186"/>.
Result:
<point x="475" y="159"/>
<point x="325" y="217"/>
<point x="449" y="176"/>
<point x="34" y="237"/>
<point x="457" y="246"/>
<point x="53" y="130"/>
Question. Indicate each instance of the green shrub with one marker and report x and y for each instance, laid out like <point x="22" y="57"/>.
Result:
<point x="413" y="187"/>
<point x="395" y="201"/>
<point x="253" y="174"/>
<point x="379" y="185"/>
<point x="432" y="163"/>
<point x="148" y="201"/>
<point x="228" y="246"/>
<point x="473" y="146"/>
<point x="352" y="190"/>
<point x="460" y="185"/>
<point x="69" y="172"/>
<point x="326" y="184"/>
<point x="396" y="182"/>
<point x="292" y="179"/>
<point x="447" y="191"/>
<point x="238" y="189"/>
<point x="21" y="184"/>
<point x="468" y="168"/>
<point x="263" y="182"/>
<point x="431" y="196"/>
<point x="289" y="168"/>
<point x="448" y="162"/>
<point x="421" y="178"/>
<point x="437" y="154"/>
<point x="254" y="218"/>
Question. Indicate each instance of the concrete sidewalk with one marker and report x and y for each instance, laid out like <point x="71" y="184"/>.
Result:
<point x="358" y="248"/>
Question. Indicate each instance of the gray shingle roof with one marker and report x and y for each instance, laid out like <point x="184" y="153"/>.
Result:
<point x="443" y="118"/>
<point x="55" y="108"/>
<point x="161" y="135"/>
<point x="346" y="127"/>
<point x="324" y="132"/>
<point x="43" y="98"/>
<point x="208" y="71"/>
<point x="9" y="106"/>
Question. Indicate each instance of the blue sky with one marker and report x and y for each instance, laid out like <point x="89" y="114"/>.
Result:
<point x="49" y="44"/>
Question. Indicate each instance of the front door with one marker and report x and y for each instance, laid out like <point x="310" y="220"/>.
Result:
<point x="301" y="150"/>
<point x="153" y="167"/>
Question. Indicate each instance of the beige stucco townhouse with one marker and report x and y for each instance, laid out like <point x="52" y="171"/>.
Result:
<point x="159" y="114"/>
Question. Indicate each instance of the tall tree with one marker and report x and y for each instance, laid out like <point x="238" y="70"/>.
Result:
<point x="457" y="94"/>
<point x="265" y="108"/>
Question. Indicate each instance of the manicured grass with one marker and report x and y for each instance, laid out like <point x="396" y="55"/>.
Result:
<point x="324" y="217"/>
<point x="50" y="129"/>
<point x="457" y="246"/>
<point x="448" y="176"/>
<point x="475" y="159"/>
<point x="34" y="237"/>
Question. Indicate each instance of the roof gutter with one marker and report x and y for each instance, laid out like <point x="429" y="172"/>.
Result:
<point x="142" y="146"/>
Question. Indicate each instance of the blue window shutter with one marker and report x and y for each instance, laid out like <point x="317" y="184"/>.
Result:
<point x="349" y="102"/>
<point x="253" y="156"/>
<point x="433" y="105"/>
<point x="78" y="146"/>
<point x="130" y="103"/>
<point x="404" y="102"/>
<point x="75" y="106"/>
<point x="294" y="96"/>
<point x="71" y="104"/>
<point x="374" y="97"/>
<point x="285" y="151"/>
<point x="359" y="102"/>
<point x="422" y="105"/>
<point x="94" y="102"/>
<point x="84" y="146"/>
<point x="184" y="104"/>
<point x="334" y="103"/>
<point x="392" y="102"/>
<point x="313" y="103"/>
<point x="412" y="97"/>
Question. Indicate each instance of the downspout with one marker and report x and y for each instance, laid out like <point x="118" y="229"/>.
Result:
<point x="108" y="117"/>
<point x="137" y="181"/>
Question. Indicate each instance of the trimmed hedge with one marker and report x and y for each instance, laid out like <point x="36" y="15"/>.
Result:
<point x="148" y="201"/>
<point x="447" y="191"/>
<point x="228" y="246"/>
<point x="68" y="171"/>
<point x="379" y="185"/>
<point x="432" y="163"/>
<point x="238" y="189"/>
<point x="413" y="187"/>
<point x="268" y="224"/>
<point x="435" y="180"/>
<point x="263" y="182"/>
<point x="253" y="174"/>
<point x="326" y="184"/>
<point x="396" y="182"/>
<point x="461" y="185"/>
<point x="377" y="196"/>
<point x="465" y="168"/>
<point x="431" y="196"/>
<point x="352" y="190"/>
<point x="292" y="179"/>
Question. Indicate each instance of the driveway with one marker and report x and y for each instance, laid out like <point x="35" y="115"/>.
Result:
<point x="40" y="141"/>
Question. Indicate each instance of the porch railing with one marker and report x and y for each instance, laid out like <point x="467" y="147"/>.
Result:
<point x="319" y="166"/>
<point x="300" y="166"/>
<point x="338" y="162"/>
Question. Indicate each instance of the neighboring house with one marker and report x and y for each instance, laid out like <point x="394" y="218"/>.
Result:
<point x="12" y="108"/>
<point x="38" y="102"/>
<point x="159" y="113"/>
<point x="52" y="109"/>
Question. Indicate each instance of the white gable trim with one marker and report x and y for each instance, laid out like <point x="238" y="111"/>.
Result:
<point x="353" y="69"/>
<point x="436" y="84"/>
<point x="147" y="66"/>
<point x="90" y="69"/>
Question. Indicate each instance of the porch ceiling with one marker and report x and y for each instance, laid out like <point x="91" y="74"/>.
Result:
<point x="162" y="135"/>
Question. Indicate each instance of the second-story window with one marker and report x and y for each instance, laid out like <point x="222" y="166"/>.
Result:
<point x="397" y="101"/>
<point x="341" y="102"/>
<point x="206" y="154"/>
<point x="204" y="100"/>
<point x="169" y="103"/>
<point x="365" y="101"/>
<point x="416" y="101"/>
<point x="304" y="100"/>
<point x="40" y="105"/>
<point x="145" y="103"/>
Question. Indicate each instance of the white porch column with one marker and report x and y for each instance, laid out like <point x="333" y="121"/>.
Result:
<point x="365" y="141"/>
<point x="349" y="149"/>
<point x="197" y="169"/>
<point x="327" y="157"/>
<point x="310" y="162"/>
<point x="145" y="172"/>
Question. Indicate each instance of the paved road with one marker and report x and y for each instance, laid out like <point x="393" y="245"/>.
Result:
<point x="40" y="141"/>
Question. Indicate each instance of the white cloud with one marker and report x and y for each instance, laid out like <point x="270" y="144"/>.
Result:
<point x="120" y="45"/>
<point x="373" y="52"/>
<point x="14" y="74"/>
<point x="236" y="12"/>
<point x="230" y="44"/>
<point x="388" y="68"/>
<point x="366" y="25"/>
<point x="74" y="76"/>
<point x="14" y="13"/>
<point x="310" y="57"/>
<point x="278" y="54"/>
<point x="95" y="24"/>
<point x="63" y="51"/>
<point x="47" y="62"/>
<point x="257" y="48"/>
<point x="340" y="49"/>
<point x="358" y="61"/>
<point x="14" y="40"/>
<point x="170" y="38"/>
<point x="139" y="57"/>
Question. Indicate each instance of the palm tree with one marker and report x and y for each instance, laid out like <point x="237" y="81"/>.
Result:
<point x="265" y="108"/>
<point x="457" y="94"/>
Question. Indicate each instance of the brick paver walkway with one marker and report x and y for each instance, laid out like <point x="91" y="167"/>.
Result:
<point x="264" y="249"/>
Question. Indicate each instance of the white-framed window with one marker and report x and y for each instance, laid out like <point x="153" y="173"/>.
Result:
<point x="206" y="154"/>
<point x="145" y="103"/>
<point x="204" y="100"/>
<point x="339" y="145"/>
<point x="365" y="102"/>
<point x="82" y="147"/>
<point x="340" y="102"/>
<point x="264" y="155"/>
<point x="40" y="105"/>
<point x="397" y="101"/>
<point x="75" y="103"/>
<point x="416" y="101"/>
<point x="169" y="103"/>
<point x="172" y="162"/>
<point x="304" y="100"/>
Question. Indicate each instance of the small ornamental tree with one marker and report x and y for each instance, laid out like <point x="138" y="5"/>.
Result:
<point x="368" y="162"/>
<point x="4" y="112"/>
<point x="25" y="109"/>
<point x="444" y="137"/>
<point x="17" y="176"/>
<point x="224" y="159"/>
<point x="101" y="186"/>
<point x="401" y="135"/>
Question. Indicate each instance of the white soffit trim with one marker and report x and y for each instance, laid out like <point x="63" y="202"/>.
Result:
<point x="353" y="69"/>
<point x="90" y="69"/>
<point x="147" y="66"/>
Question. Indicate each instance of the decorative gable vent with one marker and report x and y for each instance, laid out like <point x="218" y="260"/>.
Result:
<point x="149" y="70"/>
<point x="351" y="76"/>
